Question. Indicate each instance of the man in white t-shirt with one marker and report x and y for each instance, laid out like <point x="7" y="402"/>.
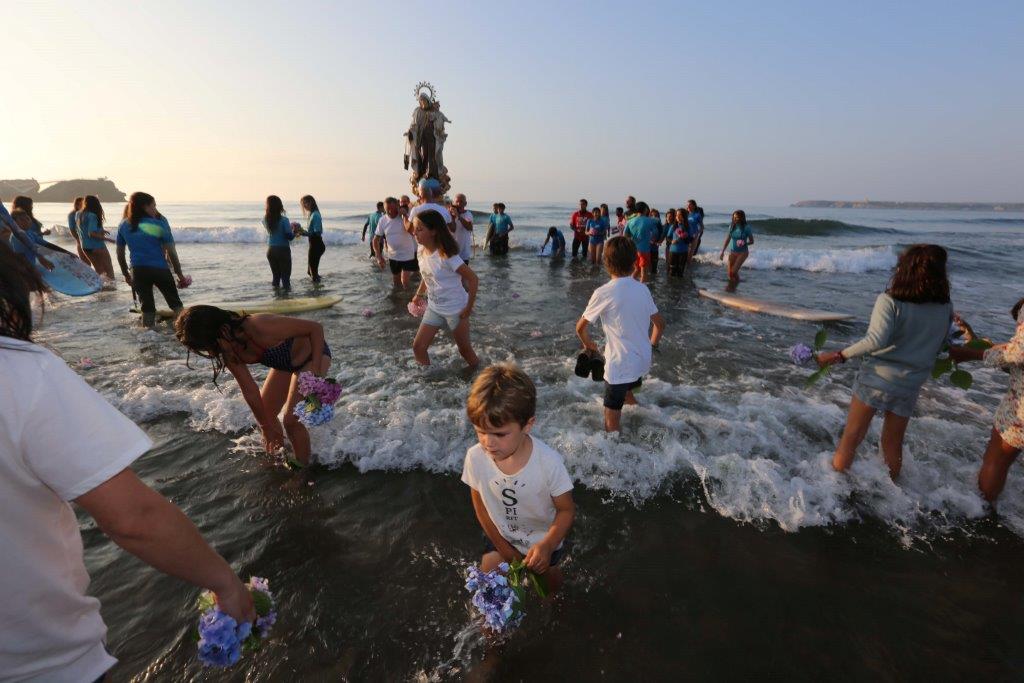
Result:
<point x="463" y="227"/>
<point x="394" y="233"/>
<point x="521" y="491"/>
<point x="50" y="628"/>
<point x="627" y="313"/>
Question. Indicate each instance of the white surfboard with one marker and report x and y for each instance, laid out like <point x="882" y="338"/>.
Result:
<point x="279" y="306"/>
<point x="773" y="308"/>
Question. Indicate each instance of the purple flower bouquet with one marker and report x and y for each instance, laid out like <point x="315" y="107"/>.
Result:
<point x="417" y="307"/>
<point x="498" y="595"/>
<point x="221" y="639"/>
<point x="319" y="394"/>
<point x="802" y="354"/>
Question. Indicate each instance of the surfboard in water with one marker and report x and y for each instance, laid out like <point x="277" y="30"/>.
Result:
<point x="772" y="308"/>
<point x="279" y="306"/>
<point x="70" y="275"/>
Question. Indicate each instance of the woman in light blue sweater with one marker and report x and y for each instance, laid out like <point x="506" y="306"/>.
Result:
<point x="909" y="325"/>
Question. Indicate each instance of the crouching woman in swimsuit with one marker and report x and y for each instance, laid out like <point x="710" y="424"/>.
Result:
<point x="286" y="345"/>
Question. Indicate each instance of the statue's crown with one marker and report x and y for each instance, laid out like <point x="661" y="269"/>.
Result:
<point x="424" y="85"/>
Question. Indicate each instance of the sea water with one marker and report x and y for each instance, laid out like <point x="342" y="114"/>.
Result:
<point x="712" y="539"/>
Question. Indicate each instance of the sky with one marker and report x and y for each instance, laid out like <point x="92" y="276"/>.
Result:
<point x="740" y="102"/>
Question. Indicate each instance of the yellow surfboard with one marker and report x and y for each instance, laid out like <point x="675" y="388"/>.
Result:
<point x="772" y="308"/>
<point x="279" y="306"/>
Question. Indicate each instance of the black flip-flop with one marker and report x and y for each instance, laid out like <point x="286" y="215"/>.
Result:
<point x="582" y="365"/>
<point x="597" y="369"/>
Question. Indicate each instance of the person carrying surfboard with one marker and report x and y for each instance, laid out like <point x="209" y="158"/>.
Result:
<point x="9" y="229"/>
<point x="147" y="234"/>
<point x="738" y="240"/>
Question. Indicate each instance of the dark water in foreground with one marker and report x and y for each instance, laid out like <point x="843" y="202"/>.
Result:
<point x="712" y="539"/>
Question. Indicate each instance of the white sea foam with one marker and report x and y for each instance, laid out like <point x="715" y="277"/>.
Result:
<point x="815" y="260"/>
<point x="237" y="235"/>
<point x="758" y="457"/>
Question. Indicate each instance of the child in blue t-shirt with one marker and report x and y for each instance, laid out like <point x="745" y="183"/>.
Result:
<point x="739" y="239"/>
<point x="557" y="240"/>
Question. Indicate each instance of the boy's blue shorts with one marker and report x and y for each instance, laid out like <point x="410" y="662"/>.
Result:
<point x="556" y="556"/>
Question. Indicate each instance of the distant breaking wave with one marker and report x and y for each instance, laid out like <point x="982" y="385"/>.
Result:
<point x="237" y="235"/>
<point x="815" y="260"/>
<point x="799" y="227"/>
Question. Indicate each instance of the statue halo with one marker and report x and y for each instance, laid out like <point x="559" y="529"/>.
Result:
<point x="424" y="85"/>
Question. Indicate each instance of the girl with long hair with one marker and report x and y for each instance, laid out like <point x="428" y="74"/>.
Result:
<point x="741" y="237"/>
<point x="678" y="239"/>
<point x="909" y="325"/>
<point x="449" y="284"/>
<point x="147" y="234"/>
<point x="21" y="211"/>
<point x="73" y="228"/>
<point x="1007" y="437"/>
<point x="279" y="235"/>
<point x="93" y="237"/>
<point x="314" y="231"/>
<point x="287" y="346"/>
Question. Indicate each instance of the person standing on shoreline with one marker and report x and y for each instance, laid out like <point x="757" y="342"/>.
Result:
<point x="741" y="237"/>
<point x="314" y="232"/>
<point x="498" y="230"/>
<point x="94" y="237"/>
<point x="53" y="629"/>
<point x="279" y="236"/>
<point x="462" y="222"/>
<point x="395" y="234"/>
<point x="73" y="229"/>
<point x="578" y="224"/>
<point x="696" y="223"/>
<point x="641" y="230"/>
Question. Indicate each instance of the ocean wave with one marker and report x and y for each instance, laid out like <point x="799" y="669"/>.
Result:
<point x="764" y="461"/>
<point x="815" y="260"/>
<point x="799" y="227"/>
<point x="236" y="235"/>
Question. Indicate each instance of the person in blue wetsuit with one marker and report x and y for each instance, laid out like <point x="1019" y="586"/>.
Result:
<point x="314" y="231"/>
<point x="738" y="239"/>
<point x="279" y="237"/>
<point x="498" y="230"/>
<point x="147" y="235"/>
<point x="557" y="240"/>
<point x="287" y="346"/>
<point x="596" y="233"/>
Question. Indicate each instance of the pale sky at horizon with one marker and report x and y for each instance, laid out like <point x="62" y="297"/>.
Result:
<point x="745" y="102"/>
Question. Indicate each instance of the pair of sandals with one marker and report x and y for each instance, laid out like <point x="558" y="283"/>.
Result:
<point x="590" y="365"/>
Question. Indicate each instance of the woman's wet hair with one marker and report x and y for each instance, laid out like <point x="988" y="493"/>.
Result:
<point x="25" y="204"/>
<point x="275" y="208"/>
<point x="920" y="275"/>
<point x="92" y="205"/>
<point x="308" y="203"/>
<point x="443" y="237"/>
<point x="18" y="279"/>
<point x="739" y="217"/>
<point x="200" y="329"/>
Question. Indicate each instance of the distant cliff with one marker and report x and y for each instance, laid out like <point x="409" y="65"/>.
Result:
<point x="62" y="191"/>
<point x="935" y="206"/>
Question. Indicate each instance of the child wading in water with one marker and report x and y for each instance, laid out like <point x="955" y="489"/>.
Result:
<point x="449" y="284"/>
<point x="286" y="345"/>
<point x="909" y="325"/>
<point x="627" y="312"/>
<point x="521" y="491"/>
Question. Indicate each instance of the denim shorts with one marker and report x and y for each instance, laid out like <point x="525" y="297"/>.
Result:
<point x="886" y="401"/>
<point x="435" y="319"/>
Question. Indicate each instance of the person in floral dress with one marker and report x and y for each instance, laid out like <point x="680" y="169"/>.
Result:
<point x="1007" y="437"/>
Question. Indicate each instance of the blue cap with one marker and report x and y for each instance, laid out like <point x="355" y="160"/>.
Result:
<point x="432" y="184"/>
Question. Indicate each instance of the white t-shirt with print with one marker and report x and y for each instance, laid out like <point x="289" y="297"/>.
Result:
<point x="445" y="293"/>
<point x="401" y="245"/>
<point x="624" y="306"/>
<point x="519" y="504"/>
<point x="59" y="439"/>
<point x="464" y="237"/>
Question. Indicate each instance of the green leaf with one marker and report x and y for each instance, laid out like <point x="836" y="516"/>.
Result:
<point x="820" y="339"/>
<point x="816" y="376"/>
<point x="261" y="602"/>
<point x="539" y="583"/>
<point x="979" y="343"/>
<point x="941" y="367"/>
<point x="961" y="379"/>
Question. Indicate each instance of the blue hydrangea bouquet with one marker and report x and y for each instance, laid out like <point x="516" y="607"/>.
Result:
<point x="222" y="640"/>
<point x="802" y="354"/>
<point x="498" y="595"/>
<point x="319" y="394"/>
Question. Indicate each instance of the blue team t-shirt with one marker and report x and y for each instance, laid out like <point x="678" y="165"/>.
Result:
<point x="694" y="220"/>
<point x="597" y="226"/>
<point x="73" y="223"/>
<point x="281" y="235"/>
<point x="679" y="239"/>
<point x="374" y="219"/>
<point x="35" y="236"/>
<point x="314" y="225"/>
<point x="89" y="222"/>
<point x="501" y="223"/>
<point x="740" y="237"/>
<point x="642" y="230"/>
<point x="146" y="242"/>
<point x="557" y="243"/>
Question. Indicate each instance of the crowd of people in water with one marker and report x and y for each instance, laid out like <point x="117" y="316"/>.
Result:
<point x="432" y="240"/>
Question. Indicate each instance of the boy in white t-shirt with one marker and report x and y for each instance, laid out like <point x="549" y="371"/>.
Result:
<point x="627" y="313"/>
<point x="521" y="491"/>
